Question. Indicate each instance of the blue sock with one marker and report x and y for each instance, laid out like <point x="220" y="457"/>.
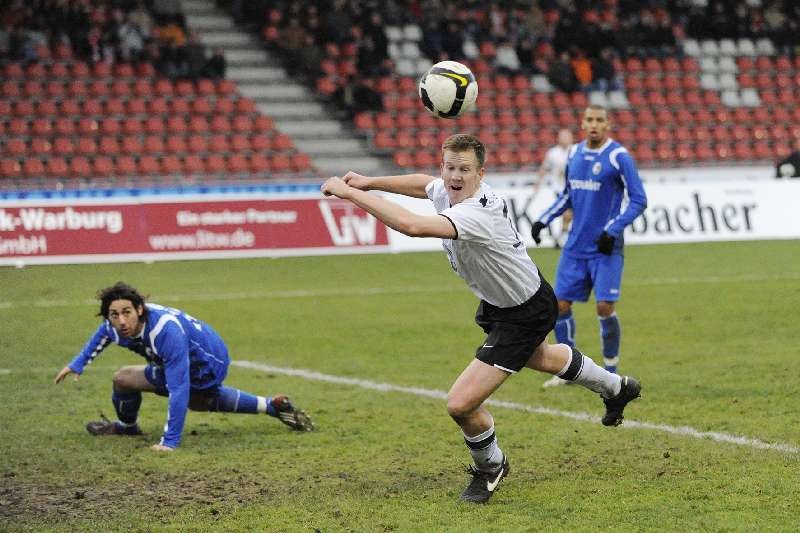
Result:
<point x="610" y="334"/>
<point x="565" y="329"/>
<point x="127" y="404"/>
<point x="230" y="400"/>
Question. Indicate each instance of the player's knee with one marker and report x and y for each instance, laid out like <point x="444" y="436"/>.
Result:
<point x="459" y="407"/>
<point x="202" y="402"/>
<point x="564" y="307"/>
<point x="123" y="380"/>
<point x="605" y="309"/>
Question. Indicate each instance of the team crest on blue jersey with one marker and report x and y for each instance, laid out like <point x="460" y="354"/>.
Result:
<point x="596" y="168"/>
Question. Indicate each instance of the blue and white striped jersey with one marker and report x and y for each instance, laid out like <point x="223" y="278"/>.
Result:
<point x="191" y="353"/>
<point x="597" y="182"/>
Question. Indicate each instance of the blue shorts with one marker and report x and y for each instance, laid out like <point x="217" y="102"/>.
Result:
<point x="576" y="276"/>
<point x="207" y="381"/>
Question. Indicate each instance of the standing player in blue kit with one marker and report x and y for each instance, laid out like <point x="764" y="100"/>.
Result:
<point x="600" y="172"/>
<point x="186" y="361"/>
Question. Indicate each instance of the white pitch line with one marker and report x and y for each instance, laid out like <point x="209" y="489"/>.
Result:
<point x="371" y="291"/>
<point x="684" y="431"/>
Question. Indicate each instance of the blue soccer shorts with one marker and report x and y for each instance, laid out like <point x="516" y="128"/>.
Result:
<point x="206" y="381"/>
<point x="577" y="276"/>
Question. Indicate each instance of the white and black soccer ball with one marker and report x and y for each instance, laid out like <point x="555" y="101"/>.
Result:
<point x="448" y="89"/>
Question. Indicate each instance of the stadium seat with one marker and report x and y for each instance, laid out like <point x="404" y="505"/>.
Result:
<point x="23" y="108"/>
<point x="171" y="165"/>
<point x="218" y="143"/>
<point x="103" y="166"/>
<point x="238" y="164"/>
<point x="131" y="145"/>
<point x="176" y="144"/>
<point x="57" y="167"/>
<point x="215" y="164"/>
<point x="259" y="163"/>
<point x="86" y="146"/>
<point x="240" y="143"/>
<point x="197" y="144"/>
<point x="125" y="166"/>
<point x="260" y="142"/>
<point x="153" y="144"/>
<point x="148" y="165"/>
<point x="63" y="146"/>
<point x="193" y="164"/>
<point x="15" y="148"/>
<point x="40" y="147"/>
<point x="10" y="168"/>
<point x="79" y="167"/>
<point x="33" y="167"/>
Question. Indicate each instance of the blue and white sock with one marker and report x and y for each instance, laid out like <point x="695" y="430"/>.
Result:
<point x="230" y="400"/>
<point x="565" y="329"/>
<point x="485" y="452"/>
<point x="127" y="404"/>
<point x="610" y="335"/>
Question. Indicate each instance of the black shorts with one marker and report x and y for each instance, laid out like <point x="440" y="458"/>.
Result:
<point x="513" y="333"/>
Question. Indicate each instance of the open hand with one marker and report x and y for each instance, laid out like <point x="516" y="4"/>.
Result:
<point x="64" y="373"/>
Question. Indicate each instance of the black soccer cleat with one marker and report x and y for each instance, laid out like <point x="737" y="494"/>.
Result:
<point x="105" y="427"/>
<point x="483" y="484"/>
<point x="290" y="415"/>
<point x="629" y="391"/>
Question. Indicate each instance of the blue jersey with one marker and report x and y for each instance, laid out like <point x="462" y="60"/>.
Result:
<point x="597" y="181"/>
<point x="191" y="354"/>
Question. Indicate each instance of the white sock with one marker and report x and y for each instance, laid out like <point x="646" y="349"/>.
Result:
<point x="485" y="452"/>
<point x="583" y="371"/>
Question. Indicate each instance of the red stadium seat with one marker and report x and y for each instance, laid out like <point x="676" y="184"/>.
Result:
<point x="215" y="164"/>
<point x="110" y="126"/>
<point x="15" y="147"/>
<point x="33" y="168"/>
<point x="171" y="165"/>
<point x="79" y="167"/>
<point x="155" y="125"/>
<point x="153" y="144"/>
<point x="114" y="106"/>
<point x="218" y="143"/>
<point x="86" y="146"/>
<point x="24" y="108"/>
<point x="246" y="106"/>
<point x="220" y="124"/>
<point x="57" y="167"/>
<point x="63" y="146"/>
<point x="56" y="89"/>
<point x="240" y="143"/>
<point x="282" y="142"/>
<point x="259" y="163"/>
<point x="47" y="108"/>
<point x="132" y="145"/>
<point x="197" y="124"/>
<point x="18" y="126"/>
<point x="176" y="144"/>
<point x="193" y="164"/>
<point x="109" y="146"/>
<point x="125" y="166"/>
<point x="103" y="166"/>
<point x="10" y="168"/>
<point x="197" y="144"/>
<point x="40" y="146"/>
<point x="238" y="164"/>
<point x="260" y="142"/>
<point x="201" y="106"/>
<point x="180" y="106"/>
<point x="136" y="106"/>
<point x="132" y="126"/>
<point x="42" y="126"/>
<point x="148" y="165"/>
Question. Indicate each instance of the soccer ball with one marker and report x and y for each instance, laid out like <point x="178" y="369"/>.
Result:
<point x="448" y="89"/>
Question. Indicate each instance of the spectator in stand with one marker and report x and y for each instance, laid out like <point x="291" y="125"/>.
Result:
<point x="369" y="58"/>
<point x="561" y="75"/>
<point x="358" y="94"/>
<point x="453" y="41"/>
<point x="311" y="57"/>
<point x="525" y="55"/>
<point x="506" y="60"/>
<point x="338" y="23"/>
<point x="374" y="29"/>
<point x="583" y="69"/>
<point x="432" y="44"/>
<point x="173" y="63"/>
<point x="604" y="73"/>
<point x="216" y="65"/>
<point x="196" y="60"/>
<point x="789" y="167"/>
<point x="131" y="39"/>
<point x="291" y="42"/>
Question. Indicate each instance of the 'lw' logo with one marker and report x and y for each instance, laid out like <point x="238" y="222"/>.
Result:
<point x="345" y="227"/>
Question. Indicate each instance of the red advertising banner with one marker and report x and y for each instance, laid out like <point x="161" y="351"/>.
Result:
<point x="78" y="232"/>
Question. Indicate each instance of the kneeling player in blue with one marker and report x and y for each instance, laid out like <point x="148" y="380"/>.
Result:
<point x="187" y="361"/>
<point x="600" y="174"/>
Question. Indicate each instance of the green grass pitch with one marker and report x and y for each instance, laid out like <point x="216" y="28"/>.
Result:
<point x="711" y="330"/>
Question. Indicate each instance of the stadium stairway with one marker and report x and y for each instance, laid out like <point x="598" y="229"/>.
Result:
<point x="296" y="111"/>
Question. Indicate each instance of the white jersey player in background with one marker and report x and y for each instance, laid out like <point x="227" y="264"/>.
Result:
<point x="551" y="176"/>
<point x="517" y="306"/>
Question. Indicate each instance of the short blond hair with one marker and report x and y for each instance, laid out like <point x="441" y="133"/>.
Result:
<point x="461" y="142"/>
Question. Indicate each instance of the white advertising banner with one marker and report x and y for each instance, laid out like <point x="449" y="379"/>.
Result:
<point x="711" y="211"/>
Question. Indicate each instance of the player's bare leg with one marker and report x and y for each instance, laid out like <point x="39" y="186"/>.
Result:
<point x="465" y="405"/>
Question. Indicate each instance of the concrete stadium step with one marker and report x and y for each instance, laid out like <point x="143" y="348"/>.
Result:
<point x="259" y="74"/>
<point x="285" y="93"/>
<point x="244" y="56"/>
<point x="203" y="23"/>
<point x="331" y="147"/>
<point x="198" y="7"/>
<point x="312" y="129"/>
<point x="227" y="39"/>
<point x="291" y="111"/>
<point x="338" y="166"/>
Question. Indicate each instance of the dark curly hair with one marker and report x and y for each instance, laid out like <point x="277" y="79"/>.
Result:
<point x="119" y="291"/>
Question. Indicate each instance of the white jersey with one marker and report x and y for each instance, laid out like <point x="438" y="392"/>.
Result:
<point x="555" y="166"/>
<point x="487" y="252"/>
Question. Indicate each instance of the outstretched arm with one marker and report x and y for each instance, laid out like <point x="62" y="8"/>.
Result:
<point x="408" y="184"/>
<point x="93" y="348"/>
<point x="396" y="217"/>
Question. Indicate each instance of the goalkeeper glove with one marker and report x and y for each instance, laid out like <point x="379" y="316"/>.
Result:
<point x="605" y="244"/>
<point x="536" y="229"/>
